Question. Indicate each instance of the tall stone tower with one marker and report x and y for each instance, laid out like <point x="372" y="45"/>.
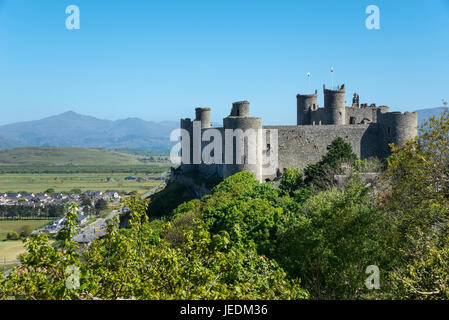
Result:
<point x="240" y="109"/>
<point x="334" y="105"/>
<point x="305" y="104"/>
<point x="203" y="115"/>
<point x="245" y="141"/>
<point x="397" y="128"/>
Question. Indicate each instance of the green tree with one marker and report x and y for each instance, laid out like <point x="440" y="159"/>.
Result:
<point x="86" y="201"/>
<point x="338" y="151"/>
<point x="418" y="200"/>
<point x="321" y="174"/>
<point x="331" y="241"/>
<point x="291" y="180"/>
<point x="100" y="205"/>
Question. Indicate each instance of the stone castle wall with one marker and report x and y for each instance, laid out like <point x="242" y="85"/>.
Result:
<point x="369" y="130"/>
<point x="303" y="145"/>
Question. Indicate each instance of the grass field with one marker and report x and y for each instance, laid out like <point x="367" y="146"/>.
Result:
<point x="14" y="225"/>
<point x="9" y="250"/>
<point x="65" y="182"/>
<point x="36" y="169"/>
<point x="79" y="160"/>
<point x="48" y="156"/>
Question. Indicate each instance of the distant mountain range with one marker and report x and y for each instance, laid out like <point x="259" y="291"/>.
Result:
<point x="71" y="129"/>
<point x="424" y="114"/>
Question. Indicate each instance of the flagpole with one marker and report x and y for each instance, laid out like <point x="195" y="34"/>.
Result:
<point x="308" y="82"/>
<point x="332" y="78"/>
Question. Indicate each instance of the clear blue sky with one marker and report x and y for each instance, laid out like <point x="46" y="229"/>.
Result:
<point x="157" y="60"/>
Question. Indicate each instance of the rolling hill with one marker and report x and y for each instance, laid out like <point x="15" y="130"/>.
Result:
<point x="70" y="129"/>
<point x="50" y="156"/>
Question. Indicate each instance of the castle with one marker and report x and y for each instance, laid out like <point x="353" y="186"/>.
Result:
<point x="368" y="128"/>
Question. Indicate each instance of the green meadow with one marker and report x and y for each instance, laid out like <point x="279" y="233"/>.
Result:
<point x="36" y="169"/>
<point x="15" y="225"/>
<point x="64" y="182"/>
<point x="10" y="249"/>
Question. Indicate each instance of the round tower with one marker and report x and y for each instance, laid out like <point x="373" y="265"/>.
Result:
<point x="203" y="115"/>
<point x="305" y="104"/>
<point x="399" y="127"/>
<point x="240" y="109"/>
<point x="334" y="104"/>
<point x="243" y="140"/>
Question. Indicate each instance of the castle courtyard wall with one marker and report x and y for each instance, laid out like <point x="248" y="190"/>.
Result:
<point x="303" y="145"/>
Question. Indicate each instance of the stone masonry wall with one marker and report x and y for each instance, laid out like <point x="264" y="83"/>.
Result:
<point x="302" y="145"/>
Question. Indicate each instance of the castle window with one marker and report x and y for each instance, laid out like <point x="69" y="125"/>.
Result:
<point x="389" y="130"/>
<point x="352" y="120"/>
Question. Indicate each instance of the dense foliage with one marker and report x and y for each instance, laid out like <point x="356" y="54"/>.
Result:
<point x="139" y="263"/>
<point x="418" y="201"/>
<point x="251" y="240"/>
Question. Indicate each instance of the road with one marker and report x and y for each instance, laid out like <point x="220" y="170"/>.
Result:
<point x="95" y="229"/>
<point x="9" y="262"/>
<point x="98" y="228"/>
<point x="154" y="190"/>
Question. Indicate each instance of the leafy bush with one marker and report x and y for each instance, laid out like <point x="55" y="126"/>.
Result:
<point x="12" y="235"/>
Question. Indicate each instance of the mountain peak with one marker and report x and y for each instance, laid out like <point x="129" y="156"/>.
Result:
<point x="69" y="113"/>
